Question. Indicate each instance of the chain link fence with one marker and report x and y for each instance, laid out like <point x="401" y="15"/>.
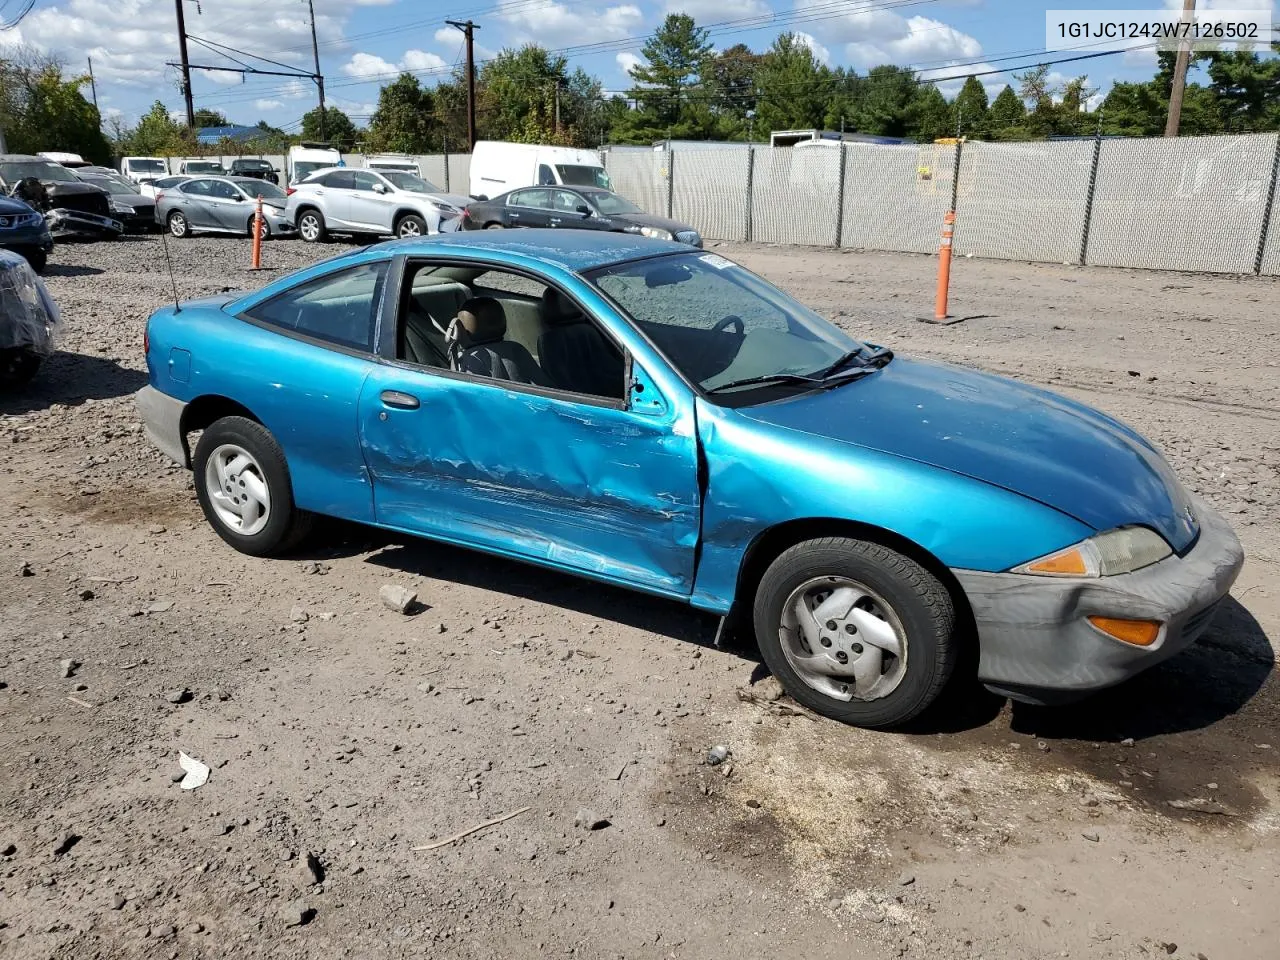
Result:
<point x="1188" y="203"/>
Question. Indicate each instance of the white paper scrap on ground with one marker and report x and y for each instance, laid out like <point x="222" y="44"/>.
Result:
<point x="197" y="772"/>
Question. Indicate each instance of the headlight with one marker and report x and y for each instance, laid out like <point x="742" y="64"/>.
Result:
<point x="118" y="207"/>
<point x="1104" y="555"/>
<point x="657" y="233"/>
<point x="25" y="220"/>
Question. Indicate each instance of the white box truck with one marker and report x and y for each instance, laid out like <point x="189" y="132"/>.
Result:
<point x="143" y="169"/>
<point x="393" y="161"/>
<point x="305" y="159"/>
<point x="497" y="167"/>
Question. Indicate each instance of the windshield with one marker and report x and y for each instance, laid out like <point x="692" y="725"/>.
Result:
<point x="204" y="166"/>
<point x="402" y="167"/>
<point x="719" y="323"/>
<point x="579" y="175"/>
<point x="261" y="188"/>
<point x="40" y="169"/>
<point x="612" y="203"/>
<point x="407" y="181"/>
<point x="114" y="186"/>
<point x="145" y="166"/>
<point x="304" y="168"/>
<point x="250" y="165"/>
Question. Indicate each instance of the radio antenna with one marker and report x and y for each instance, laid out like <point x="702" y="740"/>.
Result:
<point x="164" y="239"/>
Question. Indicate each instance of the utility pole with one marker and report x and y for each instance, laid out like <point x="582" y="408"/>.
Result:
<point x="186" y="65"/>
<point x="93" y="88"/>
<point x="468" y="29"/>
<point x="557" y="95"/>
<point x="319" y="78"/>
<point x="1180" y="74"/>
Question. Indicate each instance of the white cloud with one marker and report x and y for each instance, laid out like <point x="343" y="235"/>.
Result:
<point x="558" y="24"/>
<point x="421" y="60"/>
<point x="366" y="66"/>
<point x="820" y="53"/>
<point x="627" y="62"/>
<point x="873" y="37"/>
<point x="268" y="104"/>
<point x="715" y="11"/>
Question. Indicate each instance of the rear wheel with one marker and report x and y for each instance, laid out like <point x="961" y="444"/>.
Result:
<point x="38" y="259"/>
<point x="856" y="631"/>
<point x="242" y="483"/>
<point x="178" y="225"/>
<point x="411" y="225"/>
<point x="493" y="226"/>
<point x="311" y="226"/>
<point x="17" y="367"/>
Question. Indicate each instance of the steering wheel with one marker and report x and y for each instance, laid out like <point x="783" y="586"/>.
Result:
<point x="732" y="320"/>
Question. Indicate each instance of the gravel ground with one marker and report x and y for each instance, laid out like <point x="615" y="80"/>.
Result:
<point x="342" y="735"/>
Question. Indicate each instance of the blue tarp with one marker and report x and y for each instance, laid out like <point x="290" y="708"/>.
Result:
<point x="211" y="135"/>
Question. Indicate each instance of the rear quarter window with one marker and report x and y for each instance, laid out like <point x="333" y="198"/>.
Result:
<point x="338" y="308"/>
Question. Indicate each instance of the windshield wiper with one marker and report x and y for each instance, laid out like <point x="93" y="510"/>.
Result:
<point x="870" y="358"/>
<point x="767" y="378"/>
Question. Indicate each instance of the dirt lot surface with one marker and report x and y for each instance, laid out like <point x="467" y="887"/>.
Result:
<point x="1142" y="823"/>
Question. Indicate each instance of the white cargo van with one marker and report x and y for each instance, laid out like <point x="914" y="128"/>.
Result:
<point x="141" y="169"/>
<point x="306" y="158"/>
<point x="394" y="161"/>
<point x="497" y="167"/>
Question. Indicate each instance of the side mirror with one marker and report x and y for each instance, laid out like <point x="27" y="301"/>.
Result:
<point x="642" y="396"/>
<point x="380" y="188"/>
<point x="583" y="209"/>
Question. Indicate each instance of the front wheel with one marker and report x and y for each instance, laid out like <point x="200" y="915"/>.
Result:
<point x="493" y="226"/>
<point x="242" y="483"/>
<point x="311" y="227"/>
<point x="411" y="225"/>
<point x="38" y="259"/>
<point x="178" y="224"/>
<point x="18" y="365"/>
<point x="856" y="631"/>
<point x="266" y="228"/>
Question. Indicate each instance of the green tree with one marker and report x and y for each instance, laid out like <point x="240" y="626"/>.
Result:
<point x="529" y="95"/>
<point x="405" y="120"/>
<point x="929" y="116"/>
<point x="971" y="108"/>
<point x="40" y="109"/>
<point x="728" y="82"/>
<point x="792" y="87"/>
<point x="205" y="117"/>
<point x="881" y="100"/>
<point x="1246" y="89"/>
<point x="1034" y="88"/>
<point x="339" y="129"/>
<point x="158" y="135"/>
<point x="674" y="59"/>
<point x="1007" y="117"/>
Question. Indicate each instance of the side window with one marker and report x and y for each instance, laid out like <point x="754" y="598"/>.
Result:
<point x="521" y="198"/>
<point x="223" y="190"/>
<point x="545" y="176"/>
<point x="566" y="202"/>
<point x="364" y="181"/>
<point x="339" y="180"/>
<point x="195" y="188"/>
<point x="339" y="308"/>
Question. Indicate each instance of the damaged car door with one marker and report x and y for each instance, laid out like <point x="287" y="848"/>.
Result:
<point x="495" y="455"/>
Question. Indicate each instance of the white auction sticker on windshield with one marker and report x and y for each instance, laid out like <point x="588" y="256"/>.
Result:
<point x="717" y="261"/>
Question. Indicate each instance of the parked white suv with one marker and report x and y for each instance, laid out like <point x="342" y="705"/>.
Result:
<point x="389" y="202"/>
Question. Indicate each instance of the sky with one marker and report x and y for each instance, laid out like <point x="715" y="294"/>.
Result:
<point x="365" y="43"/>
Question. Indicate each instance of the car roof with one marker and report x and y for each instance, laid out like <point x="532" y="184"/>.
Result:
<point x="574" y="250"/>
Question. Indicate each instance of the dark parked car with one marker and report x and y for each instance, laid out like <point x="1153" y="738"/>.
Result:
<point x="257" y="169"/>
<point x="128" y="204"/>
<point x="24" y="231"/>
<point x="582" y="208"/>
<point x="71" y="208"/>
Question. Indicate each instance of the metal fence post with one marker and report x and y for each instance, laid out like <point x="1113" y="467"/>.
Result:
<point x="1088" y="199"/>
<point x="751" y="176"/>
<point x="671" y="180"/>
<point x="840" y="196"/>
<point x="1268" y="211"/>
<point x="444" y="146"/>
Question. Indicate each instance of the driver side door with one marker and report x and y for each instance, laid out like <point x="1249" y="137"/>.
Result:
<point x="370" y="205"/>
<point x="227" y="207"/>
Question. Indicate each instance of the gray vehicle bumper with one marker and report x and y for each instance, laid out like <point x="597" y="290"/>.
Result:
<point x="1037" y="646"/>
<point x="162" y="422"/>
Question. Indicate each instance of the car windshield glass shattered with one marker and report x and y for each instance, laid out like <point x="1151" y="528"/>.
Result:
<point x="40" y="169"/>
<point x="581" y="175"/>
<point x="409" y="182"/>
<point x="729" y="331"/>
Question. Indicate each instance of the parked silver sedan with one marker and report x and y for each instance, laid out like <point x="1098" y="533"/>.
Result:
<point x="222" y="205"/>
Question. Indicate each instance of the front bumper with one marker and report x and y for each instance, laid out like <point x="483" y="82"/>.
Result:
<point x="1037" y="646"/>
<point x="74" y="223"/>
<point x="162" y="423"/>
<point x="26" y="238"/>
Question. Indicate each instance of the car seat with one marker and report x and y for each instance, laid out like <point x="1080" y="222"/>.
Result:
<point x="575" y="355"/>
<point x="477" y="345"/>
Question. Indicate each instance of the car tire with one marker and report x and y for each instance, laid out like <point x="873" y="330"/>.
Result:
<point x="38" y="260"/>
<point x="895" y="601"/>
<point x="18" y="366"/>
<point x="243" y="464"/>
<point x="178" y="225"/>
<point x="311" y="226"/>
<point x="493" y="226"/>
<point x="266" y="228"/>
<point x="411" y="225"/>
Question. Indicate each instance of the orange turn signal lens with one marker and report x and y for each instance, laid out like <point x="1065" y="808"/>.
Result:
<point x="1064" y="563"/>
<point x="1140" y="633"/>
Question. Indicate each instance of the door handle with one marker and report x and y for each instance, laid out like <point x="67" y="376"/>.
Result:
<point x="555" y="221"/>
<point x="399" y="400"/>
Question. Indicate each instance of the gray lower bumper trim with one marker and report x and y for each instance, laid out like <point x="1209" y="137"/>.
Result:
<point x="162" y="422"/>
<point x="1033" y="632"/>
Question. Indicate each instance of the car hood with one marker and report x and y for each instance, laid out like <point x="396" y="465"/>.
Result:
<point x="650" y="220"/>
<point x="10" y="206"/>
<point x="134" y="200"/>
<point x="65" y="188"/>
<point x="1011" y="435"/>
